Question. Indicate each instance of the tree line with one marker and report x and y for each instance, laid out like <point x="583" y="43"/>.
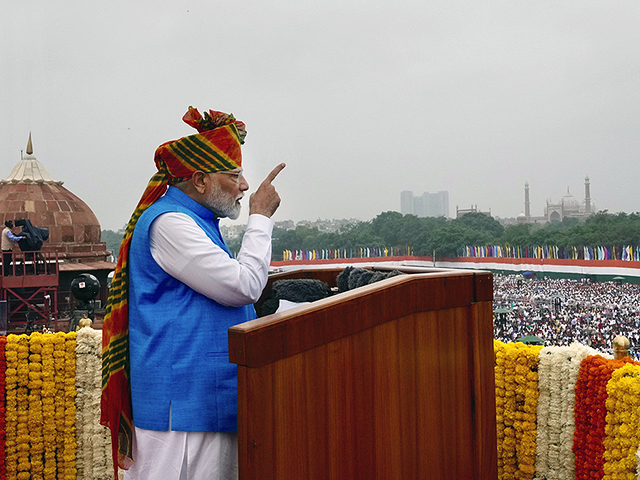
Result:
<point x="447" y="237"/>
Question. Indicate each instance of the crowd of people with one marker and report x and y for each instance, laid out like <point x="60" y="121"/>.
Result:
<point x="562" y="311"/>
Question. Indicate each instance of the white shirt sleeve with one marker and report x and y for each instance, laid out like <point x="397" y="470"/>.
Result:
<point x="183" y="250"/>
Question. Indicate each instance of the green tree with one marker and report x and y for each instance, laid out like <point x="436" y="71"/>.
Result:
<point x="449" y="238"/>
<point x="362" y="234"/>
<point x="518" y="234"/>
<point x="113" y="240"/>
<point x="481" y="222"/>
<point x="387" y="226"/>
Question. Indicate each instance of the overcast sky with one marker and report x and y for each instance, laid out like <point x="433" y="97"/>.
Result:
<point x="361" y="99"/>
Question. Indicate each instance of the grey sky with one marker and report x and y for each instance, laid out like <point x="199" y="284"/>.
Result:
<point x="362" y="99"/>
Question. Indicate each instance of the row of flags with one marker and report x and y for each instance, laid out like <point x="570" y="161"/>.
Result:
<point x="359" y="252"/>
<point x="626" y="253"/>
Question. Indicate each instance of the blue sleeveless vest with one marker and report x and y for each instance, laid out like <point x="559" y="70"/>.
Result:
<point x="178" y="337"/>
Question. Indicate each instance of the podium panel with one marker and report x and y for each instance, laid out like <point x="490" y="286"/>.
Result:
<point x="389" y="381"/>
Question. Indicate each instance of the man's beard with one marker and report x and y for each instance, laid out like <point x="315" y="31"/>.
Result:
<point x="223" y="204"/>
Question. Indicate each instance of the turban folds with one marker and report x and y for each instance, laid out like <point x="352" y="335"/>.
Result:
<point x="215" y="148"/>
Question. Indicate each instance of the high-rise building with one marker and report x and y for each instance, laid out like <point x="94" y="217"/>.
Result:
<point x="436" y="204"/>
<point x="425" y="205"/>
<point x="406" y="202"/>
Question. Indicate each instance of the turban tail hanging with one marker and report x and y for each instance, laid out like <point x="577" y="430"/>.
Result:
<point x="215" y="148"/>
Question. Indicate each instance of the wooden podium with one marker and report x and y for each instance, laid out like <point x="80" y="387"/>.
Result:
<point x="393" y="380"/>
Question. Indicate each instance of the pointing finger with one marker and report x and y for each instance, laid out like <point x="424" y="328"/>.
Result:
<point x="274" y="173"/>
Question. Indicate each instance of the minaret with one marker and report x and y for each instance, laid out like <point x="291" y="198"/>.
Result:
<point x="527" y="208"/>
<point x="587" y="195"/>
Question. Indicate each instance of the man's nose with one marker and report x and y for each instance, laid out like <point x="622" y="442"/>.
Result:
<point x="244" y="185"/>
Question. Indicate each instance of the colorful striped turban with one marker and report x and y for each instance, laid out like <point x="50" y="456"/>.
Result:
<point x="215" y="148"/>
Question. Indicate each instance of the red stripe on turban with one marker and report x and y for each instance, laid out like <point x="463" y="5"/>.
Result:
<point x="215" y="148"/>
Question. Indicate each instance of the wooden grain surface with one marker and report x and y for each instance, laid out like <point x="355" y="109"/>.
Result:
<point x="276" y="336"/>
<point x="405" y="393"/>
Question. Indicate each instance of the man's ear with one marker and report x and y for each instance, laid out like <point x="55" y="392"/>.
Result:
<point x="199" y="181"/>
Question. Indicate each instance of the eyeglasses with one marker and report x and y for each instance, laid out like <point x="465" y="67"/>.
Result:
<point x="235" y="174"/>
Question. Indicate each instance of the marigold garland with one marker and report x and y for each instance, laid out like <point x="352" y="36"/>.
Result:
<point x="94" y="440"/>
<point x="48" y="408"/>
<point x="67" y="468"/>
<point x="22" y="431"/>
<point x="590" y="415"/>
<point x="52" y="386"/>
<point x="59" y="399"/>
<point x="39" y="406"/>
<point x="558" y="373"/>
<point x="3" y="370"/>
<point x="83" y="462"/>
<point x="11" y="407"/>
<point x="499" y="350"/>
<point x="623" y="423"/>
<point x="517" y="387"/>
<point x="35" y="418"/>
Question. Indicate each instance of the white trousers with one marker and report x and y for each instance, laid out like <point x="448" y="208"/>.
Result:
<point x="183" y="456"/>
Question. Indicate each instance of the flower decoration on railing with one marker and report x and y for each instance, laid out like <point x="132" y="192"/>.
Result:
<point x="22" y="431"/>
<point x="516" y="405"/>
<point x="500" y="363"/>
<point x="69" y="444"/>
<point x="94" y="441"/>
<point x="623" y="423"/>
<point x="35" y="417"/>
<point x="40" y="436"/>
<point x="558" y="372"/>
<point x="48" y="408"/>
<point x="590" y="414"/>
<point x="11" y="407"/>
<point x="3" y="370"/>
<point x="554" y="405"/>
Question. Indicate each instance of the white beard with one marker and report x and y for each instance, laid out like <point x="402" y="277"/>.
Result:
<point x="222" y="204"/>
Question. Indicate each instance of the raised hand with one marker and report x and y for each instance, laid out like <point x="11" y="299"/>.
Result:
<point x="265" y="200"/>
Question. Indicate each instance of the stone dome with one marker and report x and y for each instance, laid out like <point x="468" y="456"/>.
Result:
<point x="30" y="192"/>
<point x="569" y="203"/>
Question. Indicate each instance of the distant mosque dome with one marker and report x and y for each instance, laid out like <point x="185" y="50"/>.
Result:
<point x="569" y="203"/>
<point x="567" y="207"/>
<point x="31" y="192"/>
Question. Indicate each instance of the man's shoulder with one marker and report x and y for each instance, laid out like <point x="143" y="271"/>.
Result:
<point x="161" y="206"/>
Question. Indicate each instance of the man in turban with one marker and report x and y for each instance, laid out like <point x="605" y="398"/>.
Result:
<point x="169" y="392"/>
